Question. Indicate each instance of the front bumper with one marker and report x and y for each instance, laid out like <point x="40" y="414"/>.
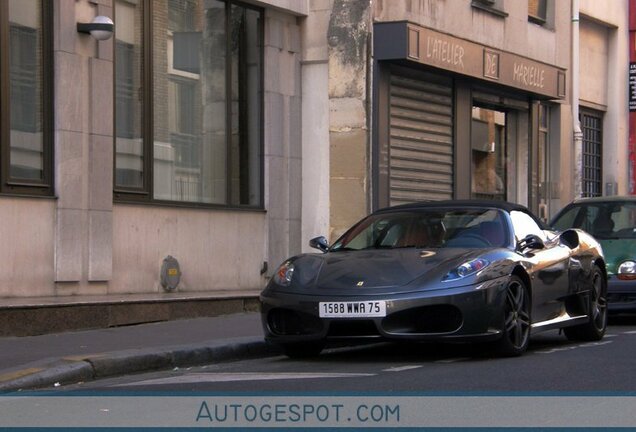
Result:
<point x="464" y="313"/>
<point x="621" y="295"/>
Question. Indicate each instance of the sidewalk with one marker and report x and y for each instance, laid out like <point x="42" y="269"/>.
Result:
<point x="43" y="361"/>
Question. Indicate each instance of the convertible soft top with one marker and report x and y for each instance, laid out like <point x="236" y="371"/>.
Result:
<point x="503" y="205"/>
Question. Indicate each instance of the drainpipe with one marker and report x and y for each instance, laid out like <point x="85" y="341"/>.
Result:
<point x="576" y="124"/>
<point x="632" y="97"/>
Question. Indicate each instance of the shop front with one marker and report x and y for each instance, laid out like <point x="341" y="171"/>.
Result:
<point x="456" y="119"/>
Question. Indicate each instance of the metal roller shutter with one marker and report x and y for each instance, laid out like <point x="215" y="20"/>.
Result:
<point x="421" y="140"/>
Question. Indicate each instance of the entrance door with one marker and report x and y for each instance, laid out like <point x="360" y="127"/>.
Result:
<point x="488" y="154"/>
<point x="499" y="148"/>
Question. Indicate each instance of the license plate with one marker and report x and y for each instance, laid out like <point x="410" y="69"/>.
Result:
<point x="362" y="309"/>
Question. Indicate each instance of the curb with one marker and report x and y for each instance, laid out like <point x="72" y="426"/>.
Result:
<point x="72" y="370"/>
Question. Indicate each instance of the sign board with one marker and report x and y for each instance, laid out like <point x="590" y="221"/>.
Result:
<point x="443" y="51"/>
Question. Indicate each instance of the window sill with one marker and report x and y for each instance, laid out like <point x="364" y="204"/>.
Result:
<point x="127" y="199"/>
<point x="490" y="9"/>
<point x="7" y="194"/>
<point x="536" y="20"/>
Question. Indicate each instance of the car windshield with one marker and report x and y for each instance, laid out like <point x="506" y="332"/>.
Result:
<point x="604" y="220"/>
<point x="427" y="228"/>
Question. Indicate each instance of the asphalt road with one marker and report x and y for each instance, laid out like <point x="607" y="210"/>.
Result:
<point x="552" y="364"/>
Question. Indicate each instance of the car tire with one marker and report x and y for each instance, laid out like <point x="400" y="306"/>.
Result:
<point x="303" y="349"/>
<point x="594" y="329"/>
<point x="516" y="319"/>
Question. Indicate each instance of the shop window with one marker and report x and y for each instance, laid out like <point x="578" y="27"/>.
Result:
<point x="592" y="128"/>
<point x="201" y="134"/>
<point x="488" y="144"/>
<point x="25" y="115"/>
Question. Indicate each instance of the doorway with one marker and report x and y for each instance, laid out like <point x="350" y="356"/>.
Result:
<point x="488" y="144"/>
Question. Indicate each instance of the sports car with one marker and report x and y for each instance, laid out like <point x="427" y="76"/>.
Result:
<point x="447" y="271"/>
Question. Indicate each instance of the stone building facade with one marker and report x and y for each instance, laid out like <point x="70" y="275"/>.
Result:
<point x="473" y="99"/>
<point x="226" y="134"/>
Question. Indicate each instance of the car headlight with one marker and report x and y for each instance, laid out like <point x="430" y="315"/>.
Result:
<point x="466" y="269"/>
<point x="284" y="274"/>
<point x="627" y="270"/>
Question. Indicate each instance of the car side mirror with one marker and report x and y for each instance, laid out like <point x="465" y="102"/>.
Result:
<point x="531" y="241"/>
<point x="319" y="243"/>
<point x="570" y="238"/>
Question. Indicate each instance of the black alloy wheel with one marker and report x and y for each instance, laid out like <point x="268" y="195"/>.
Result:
<point x="594" y="329"/>
<point x="516" y="317"/>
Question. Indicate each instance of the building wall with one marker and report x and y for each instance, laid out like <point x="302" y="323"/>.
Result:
<point x="604" y="51"/>
<point x="513" y="33"/>
<point x="349" y="47"/>
<point x="549" y="44"/>
<point x="315" y="122"/>
<point x="603" y="78"/>
<point x="317" y="161"/>
<point x="83" y="149"/>
<point x="28" y="239"/>
<point x="282" y="127"/>
<point x="81" y="243"/>
<point x="215" y="250"/>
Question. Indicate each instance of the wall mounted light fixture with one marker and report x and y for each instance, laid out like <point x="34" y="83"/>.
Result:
<point x="101" y="28"/>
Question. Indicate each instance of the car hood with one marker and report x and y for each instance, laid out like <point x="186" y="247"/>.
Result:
<point x="616" y="251"/>
<point x="375" y="271"/>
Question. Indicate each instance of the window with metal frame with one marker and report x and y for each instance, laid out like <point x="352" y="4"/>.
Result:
<point x="201" y="81"/>
<point x="592" y="163"/>
<point x="26" y="162"/>
<point x="538" y="11"/>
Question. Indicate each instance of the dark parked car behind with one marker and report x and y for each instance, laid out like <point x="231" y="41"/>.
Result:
<point x="448" y="270"/>
<point x="612" y="221"/>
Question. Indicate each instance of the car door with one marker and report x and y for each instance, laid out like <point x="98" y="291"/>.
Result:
<point x="548" y="268"/>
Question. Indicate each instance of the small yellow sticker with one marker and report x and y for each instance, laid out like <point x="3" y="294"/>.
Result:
<point x="173" y="272"/>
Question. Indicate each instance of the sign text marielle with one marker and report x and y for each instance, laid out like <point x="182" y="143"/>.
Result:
<point x="440" y="50"/>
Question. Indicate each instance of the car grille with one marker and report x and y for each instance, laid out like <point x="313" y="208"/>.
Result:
<point x="433" y="319"/>
<point x="287" y="322"/>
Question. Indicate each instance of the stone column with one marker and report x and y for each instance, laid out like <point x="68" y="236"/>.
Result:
<point x="83" y="146"/>
<point x="348" y="38"/>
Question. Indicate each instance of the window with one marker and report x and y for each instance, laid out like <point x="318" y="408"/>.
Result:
<point x="200" y="139"/>
<point x="538" y="11"/>
<point x="591" y="126"/>
<point x="25" y="115"/>
<point x="495" y="7"/>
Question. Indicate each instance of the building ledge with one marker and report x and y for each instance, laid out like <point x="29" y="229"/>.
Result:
<point x="41" y="315"/>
